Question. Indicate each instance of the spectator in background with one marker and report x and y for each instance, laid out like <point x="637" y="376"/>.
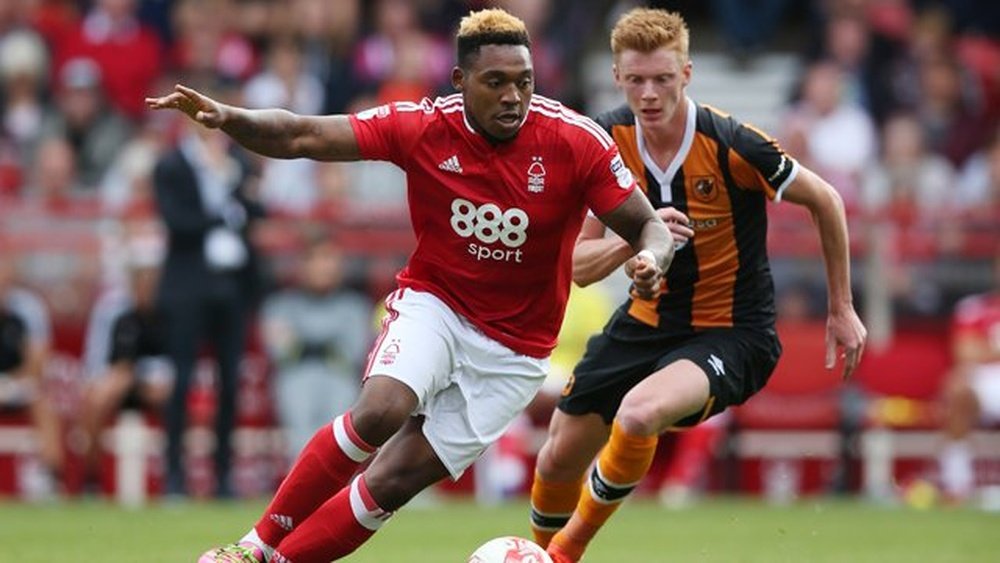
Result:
<point x="95" y="131"/>
<point x="972" y="392"/>
<point x="209" y="281"/>
<point x="127" y="52"/>
<point x="127" y="185"/>
<point x="125" y="358"/>
<point x="399" y="60"/>
<point x="315" y="337"/>
<point x="24" y="67"/>
<point x="54" y="184"/>
<point x="206" y="43"/>
<point x="25" y="336"/>
<point x="908" y="181"/>
<point x="978" y="190"/>
<point x="834" y="137"/>
<point x="329" y="33"/>
<point x="286" y="185"/>
<point x="950" y="109"/>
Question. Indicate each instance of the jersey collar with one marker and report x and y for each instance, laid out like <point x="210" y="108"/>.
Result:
<point x="665" y="177"/>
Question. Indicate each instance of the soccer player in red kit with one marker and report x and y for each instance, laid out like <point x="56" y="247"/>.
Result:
<point x="499" y="182"/>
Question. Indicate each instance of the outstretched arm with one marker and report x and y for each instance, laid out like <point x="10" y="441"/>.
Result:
<point x="843" y="326"/>
<point x="275" y="133"/>
<point x="636" y="222"/>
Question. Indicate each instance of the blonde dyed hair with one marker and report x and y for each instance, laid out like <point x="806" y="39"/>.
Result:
<point x="489" y="27"/>
<point x="646" y="30"/>
<point x="490" y="21"/>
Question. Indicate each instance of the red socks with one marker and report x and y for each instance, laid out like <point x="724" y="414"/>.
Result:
<point x="336" y="529"/>
<point x="325" y="465"/>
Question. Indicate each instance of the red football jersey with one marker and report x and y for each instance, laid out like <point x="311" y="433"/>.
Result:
<point x="979" y="316"/>
<point x="495" y="224"/>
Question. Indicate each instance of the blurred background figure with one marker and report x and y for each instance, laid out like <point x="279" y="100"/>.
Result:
<point x="128" y="51"/>
<point x="125" y="354"/>
<point x="209" y="284"/>
<point x="286" y="185"/>
<point x="316" y="334"/>
<point x="24" y="347"/>
<point x="972" y="391"/>
<point x="24" y="72"/>
<point x="829" y="133"/>
<point x="94" y="129"/>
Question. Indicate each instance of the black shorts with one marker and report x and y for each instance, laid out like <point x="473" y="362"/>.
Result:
<point x="738" y="362"/>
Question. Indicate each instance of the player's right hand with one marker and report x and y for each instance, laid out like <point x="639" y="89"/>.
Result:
<point x="678" y="223"/>
<point x="194" y="104"/>
<point x="646" y="276"/>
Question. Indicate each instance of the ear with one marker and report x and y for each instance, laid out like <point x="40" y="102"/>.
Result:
<point x="457" y="77"/>
<point x="688" y="66"/>
<point x="615" y="72"/>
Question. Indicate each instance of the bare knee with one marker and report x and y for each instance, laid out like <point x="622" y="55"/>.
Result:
<point x="572" y="443"/>
<point x="384" y="406"/>
<point x="640" y="416"/>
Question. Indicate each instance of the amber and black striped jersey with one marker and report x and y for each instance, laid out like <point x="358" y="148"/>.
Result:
<point x="721" y="178"/>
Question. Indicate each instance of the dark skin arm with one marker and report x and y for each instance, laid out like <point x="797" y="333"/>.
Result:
<point x="647" y="235"/>
<point x="274" y="133"/>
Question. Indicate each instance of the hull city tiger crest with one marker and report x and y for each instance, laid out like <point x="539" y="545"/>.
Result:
<point x="704" y="188"/>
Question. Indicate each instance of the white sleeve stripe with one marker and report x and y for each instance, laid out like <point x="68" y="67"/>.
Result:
<point x="344" y="441"/>
<point x="558" y="106"/>
<point x="788" y="181"/>
<point x="595" y="131"/>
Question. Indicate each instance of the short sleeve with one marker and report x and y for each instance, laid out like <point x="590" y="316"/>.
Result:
<point x="34" y="314"/>
<point x="608" y="181"/>
<point x="756" y="162"/>
<point x="388" y="132"/>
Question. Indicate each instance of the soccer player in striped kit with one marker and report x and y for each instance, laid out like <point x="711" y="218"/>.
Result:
<point x="707" y="340"/>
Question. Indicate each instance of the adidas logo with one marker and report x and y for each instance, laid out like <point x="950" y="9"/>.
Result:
<point x="451" y="164"/>
<point x="284" y="522"/>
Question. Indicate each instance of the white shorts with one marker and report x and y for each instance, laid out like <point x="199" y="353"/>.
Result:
<point x="469" y="386"/>
<point x="985" y="382"/>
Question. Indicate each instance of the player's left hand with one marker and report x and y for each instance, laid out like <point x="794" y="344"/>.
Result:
<point x="845" y="332"/>
<point x="194" y="104"/>
<point x="646" y="275"/>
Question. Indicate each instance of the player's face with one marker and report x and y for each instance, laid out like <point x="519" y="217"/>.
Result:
<point x="653" y="83"/>
<point x="497" y="88"/>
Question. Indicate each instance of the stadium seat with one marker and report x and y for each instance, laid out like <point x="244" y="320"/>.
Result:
<point x="795" y="419"/>
<point x="901" y="417"/>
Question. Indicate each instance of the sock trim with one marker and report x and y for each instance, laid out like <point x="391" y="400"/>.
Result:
<point x="366" y="511"/>
<point x="606" y="492"/>
<point x="253" y="537"/>
<point x="350" y="443"/>
<point x="549" y="522"/>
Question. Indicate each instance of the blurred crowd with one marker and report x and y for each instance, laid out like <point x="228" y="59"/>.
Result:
<point x="897" y="105"/>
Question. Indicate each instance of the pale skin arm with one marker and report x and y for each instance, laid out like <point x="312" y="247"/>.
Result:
<point x="274" y="133"/>
<point x="844" y="330"/>
<point x="596" y="256"/>
<point x="638" y="225"/>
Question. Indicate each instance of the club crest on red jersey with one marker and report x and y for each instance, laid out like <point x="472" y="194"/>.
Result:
<point x="536" y="175"/>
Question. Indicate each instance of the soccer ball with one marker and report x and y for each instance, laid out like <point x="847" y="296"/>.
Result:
<point x="509" y="549"/>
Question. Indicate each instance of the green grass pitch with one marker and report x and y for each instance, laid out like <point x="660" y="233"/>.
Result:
<point x="719" y="530"/>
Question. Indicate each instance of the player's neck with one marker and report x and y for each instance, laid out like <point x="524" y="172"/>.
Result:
<point x="662" y="142"/>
